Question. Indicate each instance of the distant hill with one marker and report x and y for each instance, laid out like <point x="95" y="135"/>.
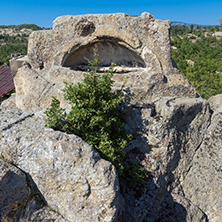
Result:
<point x="14" y="40"/>
<point x="32" y="27"/>
<point x="17" y="30"/>
<point x="174" y="23"/>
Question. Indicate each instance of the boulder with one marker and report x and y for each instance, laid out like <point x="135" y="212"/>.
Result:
<point x="69" y="173"/>
<point x="18" y="199"/>
<point x="167" y="135"/>
<point x="202" y="183"/>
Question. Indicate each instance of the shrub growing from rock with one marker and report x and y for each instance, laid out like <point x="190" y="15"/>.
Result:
<point x="95" y="118"/>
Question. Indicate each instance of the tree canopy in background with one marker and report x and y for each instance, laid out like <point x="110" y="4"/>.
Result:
<point x="205" y="52"/>
<point x="14" y="42"/>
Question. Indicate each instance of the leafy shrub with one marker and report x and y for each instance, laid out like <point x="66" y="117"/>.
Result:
<point x="95" y="118"/>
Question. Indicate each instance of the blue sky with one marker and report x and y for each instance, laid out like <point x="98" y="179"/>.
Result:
<point x="43" y="12"/>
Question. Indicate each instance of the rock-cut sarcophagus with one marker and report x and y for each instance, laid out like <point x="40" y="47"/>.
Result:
<point x="139" y="46"/>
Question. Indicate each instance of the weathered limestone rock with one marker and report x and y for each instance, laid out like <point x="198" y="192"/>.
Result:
<point x="137" y="38"/>
<point x="16" y="63"/>
<point x="18" y="201"/>
<point x="167" y="134"/>
<point x="10" y="102"/>
<point x="203" y="181"/>
<point x="176" y="134"/>
<point x="68" y="172"/>
<point x="168" y="139"/>
<point x="179" y="142"/>
<point x="139" y="46"/>
<point x="44" y="214"/>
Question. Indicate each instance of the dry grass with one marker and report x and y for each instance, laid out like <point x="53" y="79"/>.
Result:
<point x="5" y="218"/>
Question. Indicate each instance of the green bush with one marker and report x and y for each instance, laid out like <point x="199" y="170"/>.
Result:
<point x="205" y="52"/>
<point x="95" y="118"/>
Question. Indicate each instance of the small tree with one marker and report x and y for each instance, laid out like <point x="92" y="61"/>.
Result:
<point x="95" y="118"/>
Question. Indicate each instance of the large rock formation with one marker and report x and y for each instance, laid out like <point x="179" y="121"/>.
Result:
<point x="176" y="134"/>
<point x="179" y="142"/>
<point x="70" y="175"/>
<point x="139" y="46"/>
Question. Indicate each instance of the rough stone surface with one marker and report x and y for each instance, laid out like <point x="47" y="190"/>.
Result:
<point x="177" y="140"/>
<point x="139" y="46"/>
<point x="16" y="63"/>
<point x="35" y="212"/>
<point x="176" y="134"/>
<point x="10" y="102"/>
<point x="67" y="171"/>
<point x="144" y="36"/>
<point x="203" y="181"/>
<point x="167" y="135"/>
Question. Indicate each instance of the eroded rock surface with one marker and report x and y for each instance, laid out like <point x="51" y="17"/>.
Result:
<point x="68" y="172"/>
<point x="176" y="134"/>
<point x="203" y="181"/>
<point x="139" y="46"/>
<point x="167" y="135"/>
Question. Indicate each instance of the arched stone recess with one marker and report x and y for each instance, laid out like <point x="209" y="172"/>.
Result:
<point x="110" y="51"/>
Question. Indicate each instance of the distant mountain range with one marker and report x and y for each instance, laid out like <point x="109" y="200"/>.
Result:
<point x="174" y="23"/>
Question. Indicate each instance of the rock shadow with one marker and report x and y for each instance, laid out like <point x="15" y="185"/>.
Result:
<point x="155" y="202"/>
<point x="19" y="197"/>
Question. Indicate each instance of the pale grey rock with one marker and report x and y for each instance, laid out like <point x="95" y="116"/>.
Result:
<point x="139" y="46"/>
<point x="16" y="63"/>
<point x="19" y="202"/>
<point x="176" y="134"/>
<point x="69" y="173"/>
<point x="179" y="142"/>
<point x="33" y="91"/>
<point x="203" y="182"/>
<point x="71" y="34"/>
<point x="40" y="214"/>
<point x="167" y="134"/>
<point x="10" y="101"/>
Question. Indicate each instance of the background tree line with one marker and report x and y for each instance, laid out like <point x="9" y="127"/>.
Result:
<point x="204" y="50"/>
<point x="15" y="42"/>
<point x="33" y="27"/>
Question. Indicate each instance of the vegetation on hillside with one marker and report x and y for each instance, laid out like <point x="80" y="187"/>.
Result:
<point x="11" y="48"/>
<point x="205" y="53"/>
<point x="15" y="42"/>
<point x="95" y="118"/>
<point x="33" y="27"/>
